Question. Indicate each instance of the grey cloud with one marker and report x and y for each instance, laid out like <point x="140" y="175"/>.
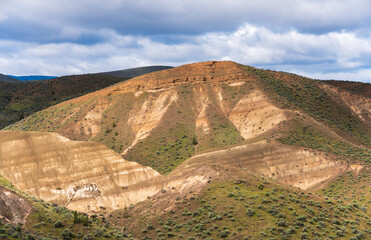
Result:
<point x="49" y="19"/>
<point x="319" y="38"/>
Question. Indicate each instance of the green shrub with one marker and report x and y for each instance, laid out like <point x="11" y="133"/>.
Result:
<point x="58" y="224"/>
<point x="67" y="235"/>
<point x="250" y="212"/>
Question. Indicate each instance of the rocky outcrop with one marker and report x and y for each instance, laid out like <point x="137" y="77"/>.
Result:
<point x="90" y="124"/>
<point x="85" y="176"/>
<point x="254" y="115"/>
<point x="202" y="103"/>
<point x="14" y="209"/>
<point x="149" y="115"/>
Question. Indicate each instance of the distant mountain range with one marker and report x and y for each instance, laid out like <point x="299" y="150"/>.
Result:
<point x="32" y="77"/>
<point x="126" y="73"/>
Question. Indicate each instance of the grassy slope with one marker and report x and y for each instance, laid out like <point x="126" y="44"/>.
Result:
<point x="298" y="93"/>
<point x="307" y="136"/>
<point x="360" y="88"/>
<point x="293" y="91"/>
<point x="222" y="132"/>
<point x="51" y="119"/>
<point x="6" y="94"/>
<point x="248" y="208"/>
<point x="351" y="188"/>
<point x="115" y="133"/>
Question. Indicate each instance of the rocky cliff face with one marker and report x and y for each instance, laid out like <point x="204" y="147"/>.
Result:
<point x="85" y="176"/>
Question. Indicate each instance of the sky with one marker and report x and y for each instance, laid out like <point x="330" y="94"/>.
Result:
<point x="322" y="39"/>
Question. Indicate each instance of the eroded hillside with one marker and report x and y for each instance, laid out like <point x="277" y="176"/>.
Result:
<point x="26" y="217"/>
<point x="84" y="176"/>
<point x="163" y="118"/>
<point x="198" y="137"/>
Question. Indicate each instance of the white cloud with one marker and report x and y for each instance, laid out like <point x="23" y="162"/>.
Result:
<point x="345" y="54"/>
<point x="362" y="75"/>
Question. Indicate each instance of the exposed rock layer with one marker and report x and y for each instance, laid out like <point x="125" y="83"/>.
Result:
<point x="288" y="165"/>
<point x="85" y="176"/>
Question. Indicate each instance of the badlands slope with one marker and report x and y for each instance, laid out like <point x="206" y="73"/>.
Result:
<point x="83" y="176"/>
<point x="163" y="118"/>
<point x="210" y="132"/>
<point x="190" y="112"/>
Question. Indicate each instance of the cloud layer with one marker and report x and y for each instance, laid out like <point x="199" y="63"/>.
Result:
<point x="321" y="39"/>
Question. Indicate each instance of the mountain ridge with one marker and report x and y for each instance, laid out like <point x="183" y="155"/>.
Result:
<point x="33" y="77"/>
<point x="134" y="72"/>
<point x="5" y="78"/>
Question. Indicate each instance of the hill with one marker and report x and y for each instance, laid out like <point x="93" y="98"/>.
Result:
<point x="235" y="152"/>
<point x="134" y="72"/>
<point x="245" y="207"/>
<point x="20" y="99"/>
<point x="162" y="118"/>
<point x="5" y="78"/>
